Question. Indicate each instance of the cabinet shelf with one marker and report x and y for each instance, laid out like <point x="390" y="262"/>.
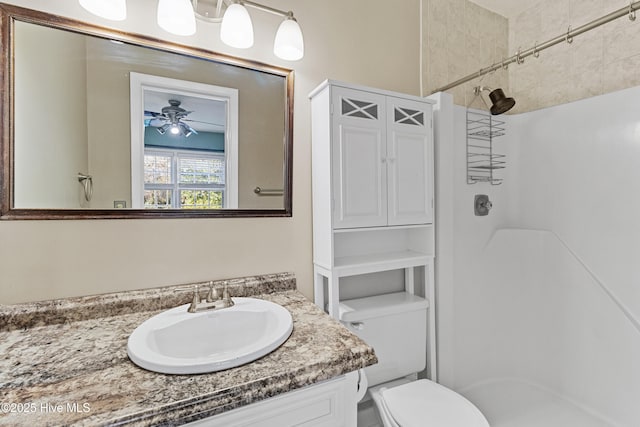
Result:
<point x="388" y="227"/>
<point x="362" y="264"/>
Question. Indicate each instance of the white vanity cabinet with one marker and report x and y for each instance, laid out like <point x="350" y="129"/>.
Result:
<point x="380" y="157"/>
<point x="372" y="160"/>
<point x="330" y="403"/>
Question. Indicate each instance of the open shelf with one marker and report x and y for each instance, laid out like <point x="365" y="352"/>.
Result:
<point x="382" y="228"/>
<point x="367" y="245"/>
<point x="371" y="263"/>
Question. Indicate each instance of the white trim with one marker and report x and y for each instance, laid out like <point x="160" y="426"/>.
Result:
<point x="337" y="83"/>
<point x="138" y="84"/>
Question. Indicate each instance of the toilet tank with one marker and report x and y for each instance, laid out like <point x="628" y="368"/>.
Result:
<point x="395" y="325"/>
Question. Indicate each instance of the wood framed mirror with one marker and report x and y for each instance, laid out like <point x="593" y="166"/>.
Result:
<point x="98" y="123"/>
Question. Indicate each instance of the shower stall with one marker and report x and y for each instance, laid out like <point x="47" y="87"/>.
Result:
<point x="539" y="301"/>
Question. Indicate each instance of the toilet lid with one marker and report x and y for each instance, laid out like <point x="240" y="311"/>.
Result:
<point x="425" y="403"/>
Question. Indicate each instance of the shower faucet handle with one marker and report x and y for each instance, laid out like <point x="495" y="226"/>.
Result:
<point x="482" y="205"/>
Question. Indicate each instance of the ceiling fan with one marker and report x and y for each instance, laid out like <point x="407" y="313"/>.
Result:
<point x="172" y="118"/>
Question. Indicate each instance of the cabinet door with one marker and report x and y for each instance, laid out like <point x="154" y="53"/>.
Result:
<point x="332" y="403"/>
<point x="409" y="152"/>
<point x="359" y="172"/>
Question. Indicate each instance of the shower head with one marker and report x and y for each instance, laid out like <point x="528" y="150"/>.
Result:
<point x="500" y="103"/>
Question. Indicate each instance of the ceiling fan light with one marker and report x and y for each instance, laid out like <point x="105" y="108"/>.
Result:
<point x="289" y="44"/>
<point x="163" y="129"/>
<point x="177" y="17"/>
<point x="186" y="131"/>
<point x="115" y="10"/>
<point x="237" y="29"/>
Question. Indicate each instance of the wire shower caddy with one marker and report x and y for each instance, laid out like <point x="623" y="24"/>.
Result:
<point x="482" y="160"/>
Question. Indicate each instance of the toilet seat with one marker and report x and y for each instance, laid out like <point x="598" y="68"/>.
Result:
<point x="424" y="403"/>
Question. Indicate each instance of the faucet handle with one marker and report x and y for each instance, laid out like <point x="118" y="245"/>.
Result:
<point x="228" y="302"/>
<point x="196" y="296"/>
<point x="196" y="299"/>
<point x="213" y="293"/>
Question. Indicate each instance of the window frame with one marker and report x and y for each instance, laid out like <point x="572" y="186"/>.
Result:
<point x="175" y="186"/>
<point x="138" y="84"/>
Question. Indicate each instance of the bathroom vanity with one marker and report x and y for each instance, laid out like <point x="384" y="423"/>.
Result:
<point x="65" y="363"/>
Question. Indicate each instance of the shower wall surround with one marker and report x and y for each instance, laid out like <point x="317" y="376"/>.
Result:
<point x="578" y="168"/>
<point x="549" y="291"/>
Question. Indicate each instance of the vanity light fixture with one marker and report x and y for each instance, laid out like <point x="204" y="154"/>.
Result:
<point x="289" y="44"/>
<point x="236" y="29"/>
<point x="177" y="17"/>
<point x="115" y="10"/>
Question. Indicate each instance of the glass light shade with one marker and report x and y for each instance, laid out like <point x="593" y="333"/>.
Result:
<point x="115" y="10"/>
<point x="236" y="29"/>
<point x="289" y="44"/>
<point x="177" y="17"/>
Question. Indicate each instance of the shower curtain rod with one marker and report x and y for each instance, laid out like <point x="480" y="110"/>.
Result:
<point x="535" y="50"/>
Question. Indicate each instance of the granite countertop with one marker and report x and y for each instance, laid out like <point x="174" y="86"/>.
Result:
<point x="64" y="362"/>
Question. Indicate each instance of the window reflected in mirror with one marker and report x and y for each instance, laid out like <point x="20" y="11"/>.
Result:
<point x="184" y="144"/>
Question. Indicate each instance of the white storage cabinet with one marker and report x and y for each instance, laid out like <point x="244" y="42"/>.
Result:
<point x="380" y="156"/>
<point x="372" y="160"/>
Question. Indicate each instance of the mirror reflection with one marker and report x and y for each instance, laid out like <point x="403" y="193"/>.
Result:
<point x="101" y="124"/>
<point x="183" y="158"/>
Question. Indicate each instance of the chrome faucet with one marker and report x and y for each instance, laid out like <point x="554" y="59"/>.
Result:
<point x="212" y="301"/>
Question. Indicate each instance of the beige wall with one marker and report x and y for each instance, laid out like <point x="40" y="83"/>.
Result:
<point x="261" y="148"/>
<point x="361" y="41"/>
<point x="459" y="38"/>
<point x="47" y="169"/>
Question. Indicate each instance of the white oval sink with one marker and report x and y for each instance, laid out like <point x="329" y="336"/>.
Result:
<point x="178" y="342"/>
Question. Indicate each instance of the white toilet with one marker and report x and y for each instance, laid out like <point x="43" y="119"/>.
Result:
<point x="395" y="325"/>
